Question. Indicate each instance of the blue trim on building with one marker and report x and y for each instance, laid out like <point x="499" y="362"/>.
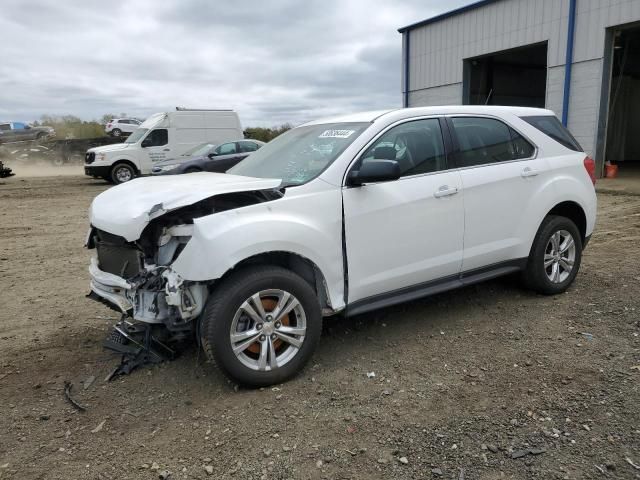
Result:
<point x="405" y="98"/>
<point x="452" y="13"/>
<point x="568" y="62"/>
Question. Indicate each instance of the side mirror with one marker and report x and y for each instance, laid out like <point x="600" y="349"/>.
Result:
<point x="375" y="171"/>
<point x="212" y="154"/>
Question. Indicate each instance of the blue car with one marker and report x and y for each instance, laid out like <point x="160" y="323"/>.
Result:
<point x="208" y="157"/>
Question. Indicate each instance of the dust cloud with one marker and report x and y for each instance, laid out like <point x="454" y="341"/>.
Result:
<point x="43" y="169"/>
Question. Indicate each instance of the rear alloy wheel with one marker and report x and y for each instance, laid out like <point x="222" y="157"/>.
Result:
<point x="555" y="256"/>
<point x="116" y="132"/>
<point x="262" y="325"/>
<point x="122" y="172"/>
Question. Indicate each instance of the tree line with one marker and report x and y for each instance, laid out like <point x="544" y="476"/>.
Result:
<point x="70" y="126"/>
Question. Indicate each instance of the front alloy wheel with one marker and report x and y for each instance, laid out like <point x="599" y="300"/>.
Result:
<point x="122" y="172"/>
<point x="261" y="325"/>
<point x="268" y="330"/>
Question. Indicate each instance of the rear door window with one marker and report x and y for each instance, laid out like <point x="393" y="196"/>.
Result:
<point x="248" y="146"/>
<point x="226" y="149"/>
<point x="551" y="126"/>
<point x="486" y="140"/>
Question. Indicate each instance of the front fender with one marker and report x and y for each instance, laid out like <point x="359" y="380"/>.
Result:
<point x="309" y="226"/>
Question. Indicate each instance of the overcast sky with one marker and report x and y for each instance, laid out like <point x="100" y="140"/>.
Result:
<point x="273" y="61"/>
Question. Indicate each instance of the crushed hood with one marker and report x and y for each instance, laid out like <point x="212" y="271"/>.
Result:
<point x="126" y="209"/>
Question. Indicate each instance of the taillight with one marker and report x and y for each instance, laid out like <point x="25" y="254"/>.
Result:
<point x="590" y="166"/>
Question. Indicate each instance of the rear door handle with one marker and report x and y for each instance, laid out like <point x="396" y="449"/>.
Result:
<point x="166" y="150"/>
<point x="528" y="172"/>
<point x="445" y="191"/>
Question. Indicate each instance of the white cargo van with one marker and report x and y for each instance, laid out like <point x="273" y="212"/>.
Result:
<point x="160" y="137"/>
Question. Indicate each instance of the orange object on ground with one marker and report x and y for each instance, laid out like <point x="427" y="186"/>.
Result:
<point x="611" y="171"/>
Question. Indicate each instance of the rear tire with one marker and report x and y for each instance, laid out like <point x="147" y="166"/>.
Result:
<point x="116" y="132"/>
<point x="555" y="256"/>
<point x="240" y="309"/>
<point x="122" y="172"/>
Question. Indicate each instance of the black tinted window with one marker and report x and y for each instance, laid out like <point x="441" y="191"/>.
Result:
<point x="551" y="126"/>
<point x="5" y="126"/>
<point x="248" y="146"/>
<point x="485" y="140"/>
<point x="156" y="138"/>
<point x="417" y="146"/>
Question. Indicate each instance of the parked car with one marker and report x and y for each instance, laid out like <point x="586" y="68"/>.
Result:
<point x="161" y="136"/>
<point x="344" y="215"/>
<point x="117" y="127"/>
<point x="208" y="157"/>
<point x="21" y="131"/>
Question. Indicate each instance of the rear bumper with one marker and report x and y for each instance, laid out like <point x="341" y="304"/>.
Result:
<point x="97" y="171"/>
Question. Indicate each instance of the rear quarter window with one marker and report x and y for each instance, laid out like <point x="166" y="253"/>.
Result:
<point x="551" y="127"/>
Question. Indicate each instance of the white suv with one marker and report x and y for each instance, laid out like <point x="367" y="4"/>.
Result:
<point x="116" y="127"/>
<point x="343" y="215"/>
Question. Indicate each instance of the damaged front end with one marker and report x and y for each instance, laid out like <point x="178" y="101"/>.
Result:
<point x="142" y="285"/>
<point x="159" y="308"/>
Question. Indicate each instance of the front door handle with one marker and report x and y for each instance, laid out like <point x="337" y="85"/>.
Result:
<point x="166" y="150"/>
<point x="528" y="172"/>
<point x="445" y="191"/>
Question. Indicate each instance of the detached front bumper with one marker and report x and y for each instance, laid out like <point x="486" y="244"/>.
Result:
<point x="110" y="288"/>
<point x="173" y="303"/>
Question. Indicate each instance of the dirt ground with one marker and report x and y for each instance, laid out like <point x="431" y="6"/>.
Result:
<point x="487" y="382"/>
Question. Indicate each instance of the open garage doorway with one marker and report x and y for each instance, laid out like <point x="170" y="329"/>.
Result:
<point x="516" y="77"/>
<point x="623" y="123"/>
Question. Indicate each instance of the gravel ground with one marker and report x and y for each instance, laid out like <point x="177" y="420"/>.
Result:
<point x="487" y="382"/>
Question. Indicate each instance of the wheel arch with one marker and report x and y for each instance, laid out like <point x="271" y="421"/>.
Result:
<point x="128" y="162"/>
<point x="574" y="212"/>
<point x="300" y="265"/>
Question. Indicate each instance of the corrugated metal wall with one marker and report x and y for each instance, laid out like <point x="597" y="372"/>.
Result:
<point x="437" y="51"/>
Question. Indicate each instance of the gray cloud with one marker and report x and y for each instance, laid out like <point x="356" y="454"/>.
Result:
<point x="274" y="62"/>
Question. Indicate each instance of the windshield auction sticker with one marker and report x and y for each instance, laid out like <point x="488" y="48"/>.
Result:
<point x="336" y="134"/>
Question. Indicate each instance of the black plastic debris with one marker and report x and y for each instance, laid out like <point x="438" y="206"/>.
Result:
<point x="67" y="394"/>
<point x="137" y="346"/>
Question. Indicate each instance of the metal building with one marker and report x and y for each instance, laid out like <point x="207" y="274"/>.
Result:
<point x="579" y="58"/>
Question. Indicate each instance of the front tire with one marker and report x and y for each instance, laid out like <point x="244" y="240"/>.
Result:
<point x="261" y="325"/>
<point x="122" y="172"/>
<point x="555" y="256"/>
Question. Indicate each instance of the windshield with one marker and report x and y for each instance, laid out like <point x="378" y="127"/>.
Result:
<point x="301" y="154"/>
<point x="136" y="135"/>
<point x="201" y="149"/>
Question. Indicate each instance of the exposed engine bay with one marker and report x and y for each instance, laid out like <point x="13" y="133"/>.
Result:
<point x="158" y="307"/>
